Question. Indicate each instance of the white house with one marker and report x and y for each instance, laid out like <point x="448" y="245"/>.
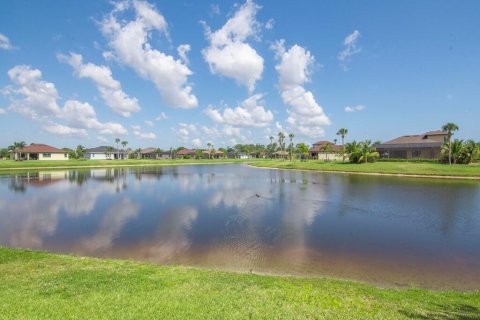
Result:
<point x="105" y="153"/>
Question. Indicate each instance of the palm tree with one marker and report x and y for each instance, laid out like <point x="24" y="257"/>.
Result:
<point x="80" y="151"/>
<point x="353" y="150"/>
<point x="158" y="151"/>
<point x="17" y="146"/>
<point x="271" y="146"/>
<point x="343" y="132"/>
<point x="117" y="141"/>
<point x="450" y="127"/>
<point x="124" y="144"/>
<point x="138" y="152"/>
<point x="281" y="139"/>
<point x="209" y="145"/>
<point x="470" y="150"/>
<point x="367" y="151"/>
<point x="327" y="148"/>
<point x="291" y="136"/>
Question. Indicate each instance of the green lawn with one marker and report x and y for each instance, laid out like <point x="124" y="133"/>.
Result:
<point x="10" y="164"/>
<point x="38" y="285"/>
<point x="412" y="168"/>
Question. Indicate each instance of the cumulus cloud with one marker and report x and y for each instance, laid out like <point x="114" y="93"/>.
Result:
<point x="350" y="48"/>
<point x="131" y="46"/>
<point x="182" y="50"/>
<point x="31" y="96"/>
<point x="161" y="116"/>
<point x="5" y="43"/>
<point x="197" y="143"/>
<point x="250" y="113"/>
<point x="109" y="88"/>
<point x="35" y="98"/>
<point x="186" y="132"/>
<point x="305" y="116"/>
<point x="143" y="135"/>
<point x="149" y="123"/>
<point x="229" y="54"/>
<point x="2" y="111"/>
<point x="356" y="108"/>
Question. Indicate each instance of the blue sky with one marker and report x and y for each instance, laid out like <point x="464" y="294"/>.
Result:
<point x="171" y="73"/>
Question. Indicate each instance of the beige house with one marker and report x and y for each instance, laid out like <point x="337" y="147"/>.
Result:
<point x="40" y="152"/>
<point x="319" y="150"/>
<point x="424" y="146"/>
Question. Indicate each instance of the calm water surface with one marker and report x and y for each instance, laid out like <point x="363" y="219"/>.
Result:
<point x="385" y="230"/>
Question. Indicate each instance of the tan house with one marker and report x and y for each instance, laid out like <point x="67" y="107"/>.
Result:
<point x="40" y="152"/>
<point x="425" y="146"/>
<point x="319" y="150"/>
<point x="186" y="153"/>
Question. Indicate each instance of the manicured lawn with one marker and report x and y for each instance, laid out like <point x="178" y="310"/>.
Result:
<point x="9" y="164"/>
<point x="38" y="285"/>
<point x="412" y="168"/>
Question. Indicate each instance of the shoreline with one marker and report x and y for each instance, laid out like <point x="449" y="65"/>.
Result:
<point x="400" y="175"/>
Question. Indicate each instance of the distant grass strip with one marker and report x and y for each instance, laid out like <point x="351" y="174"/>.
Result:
<point x="38" y="285"/>
<point x="394" y="168"/>
<point x="35" y="164"/>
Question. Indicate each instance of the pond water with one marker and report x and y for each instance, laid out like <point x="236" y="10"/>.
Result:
<point x="388" y="231"/>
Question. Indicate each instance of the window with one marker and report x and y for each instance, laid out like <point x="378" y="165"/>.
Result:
<point x="65" y="155"/>
<point x="47" y="155"/>
<point x="416" y="153"/>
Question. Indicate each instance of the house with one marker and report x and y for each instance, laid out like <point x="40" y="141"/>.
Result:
<point x="321" y="150"/>
<point x="425" y="146"/>
<point x="155" y="153"/>
<point x="105" y="153"/>
<point x="37" y="151"/>
<point x="186" y="153"/>
<point x="280" y="154"/>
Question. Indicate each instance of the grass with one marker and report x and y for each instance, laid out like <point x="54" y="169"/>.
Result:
<point x="39" y="285"/>
<point x="35" y="164"/>
<point x="406" y="168"/>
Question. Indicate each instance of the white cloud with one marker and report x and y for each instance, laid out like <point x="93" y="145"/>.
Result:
<point x="109" y="88"/>
<point x="186" y="132"/>
<point x="249" y="114"/>
<point x="197" y="143"/>
<point x="82" y="115"/>
<point x="182" y="50"/>
<point x="60" y="129"/>
<point x="31" y="96"/>
<point x="5" y="43"/>
<point x="214" y="9"/>
<point x="130" y="42"/>
<point x="149" y="123"/>
<point x="350" y="48"/>
<point x="161" y="116"/>
<point x="145" y="135"/>
<point x="2" y="111"/>
<point x="229" y="54"/>
<point x="102" y="139"/>
<point x="305" y="116"/>
<point x="359" y="107"/>
<point x="37" y="99"/>
<point x="269" y="25"/>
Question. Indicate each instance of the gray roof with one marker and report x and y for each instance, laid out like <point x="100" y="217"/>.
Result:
<point x="103" y="149"/>
<point x="412" y="141"/>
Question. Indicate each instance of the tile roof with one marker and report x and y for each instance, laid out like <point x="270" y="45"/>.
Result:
<point x="40" y="148"/>
<point x="419" y="140"/>
<point x="317" y="147"/>
<point x="184" y="152"/>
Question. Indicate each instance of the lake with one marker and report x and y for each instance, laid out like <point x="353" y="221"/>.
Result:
<point x="388" y="231"/>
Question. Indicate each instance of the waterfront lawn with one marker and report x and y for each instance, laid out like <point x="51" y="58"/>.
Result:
<point x="401" y="167"/>
<point x="39" y="285"/>
<point x="10" y="164"/>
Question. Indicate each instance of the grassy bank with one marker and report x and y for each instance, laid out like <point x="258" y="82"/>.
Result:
<point x="34" y="164"/>
<point x="47" y="286"/>
<point x="406" y="168"/>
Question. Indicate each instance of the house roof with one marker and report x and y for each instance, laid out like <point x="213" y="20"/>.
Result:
<point x="317" y="147"/>
<point x="148" y="150"/>
<point x="412" y="141"/>
<point x="185" y="152"/>
<point x="103" y="149"/>
<point x="436" y="133"/>
<point x="40" y="148"/>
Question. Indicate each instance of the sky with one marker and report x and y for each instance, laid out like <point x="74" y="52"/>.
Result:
<point x="187" y="73"/>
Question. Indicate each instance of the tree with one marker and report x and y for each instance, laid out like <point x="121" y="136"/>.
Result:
<point x="368" y="152"/>
<point x="271" y="146"/>
<point x="117" y="141"/>
<point x="281" y="143"/>
<point x="353" y="151"/>
<point x="326" y="148"/>
<point x="343" y="132"/>
<point x="450" y="127"/>
<point x="17" y="146"/>
<point x="470" y="151"/>
<point x="302" y="148"/>
<point x="138" y="152"/>
<point x="124" y="144"/>
<point x="3" y="153"/>
<point x="209" y="145"/>
<point x="80" y="152"/>
<point x="291" y="136"/>
<point x="158" y="151"/>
